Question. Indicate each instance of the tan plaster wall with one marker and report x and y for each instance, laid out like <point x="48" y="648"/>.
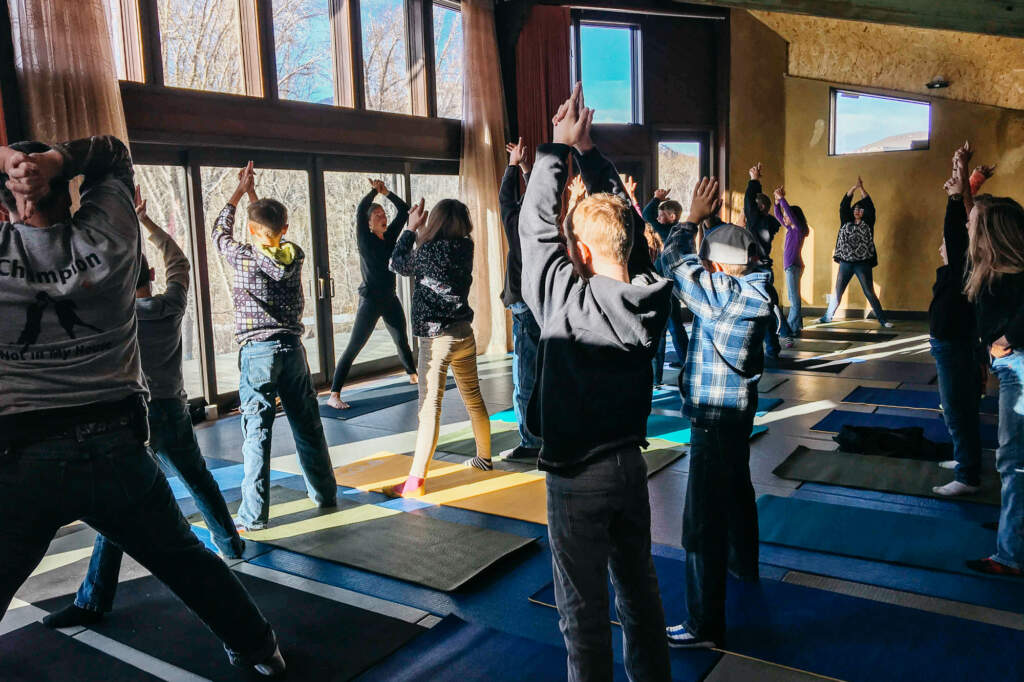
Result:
<point x="984" y="69"/>
<point x="757" y="106"/>
<point x="905" y="186"/>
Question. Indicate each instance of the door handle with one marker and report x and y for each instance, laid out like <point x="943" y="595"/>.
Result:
<point x="331" y="280"/>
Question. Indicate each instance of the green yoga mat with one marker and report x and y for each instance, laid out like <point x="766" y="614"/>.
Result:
<point x="419" y="549"/>
<point x="874" y="472"/>
<point x="927" y="542"/>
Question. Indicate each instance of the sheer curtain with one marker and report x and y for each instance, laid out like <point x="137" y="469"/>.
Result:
<point x="65" y="67"/>
<point x="482" y="164"/>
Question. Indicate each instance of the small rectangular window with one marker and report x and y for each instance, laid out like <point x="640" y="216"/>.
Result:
<point x="608" y="67"/>
<point x="385" y="51"/>
<point x="679" y="170"/>
<point x="201" y="44"/>
<point x="302" y="42"/>
<point x="865" y="124"/>
<point x="448" y="61"/>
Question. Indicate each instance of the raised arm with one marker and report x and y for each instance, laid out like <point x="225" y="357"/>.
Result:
<point x="223" y="232"/>
<point x="363" y="216"/>
<point x="846" y="208"/>
<point x="402" y="215"/>
<point x="508" y="201"/>
<point x="176" y="267"/>
<point x="750" y="195"/>
<point x="869" y="210"/>
<point x="403" y="259"/>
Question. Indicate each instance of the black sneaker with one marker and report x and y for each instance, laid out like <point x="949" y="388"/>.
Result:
<point x="271" y="666"/>
<point x="681" y="638"/>
<point x="523" y="454"/>
<point x="71" y="616"/>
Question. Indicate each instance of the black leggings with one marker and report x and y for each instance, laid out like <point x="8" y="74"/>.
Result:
<point x="369" y="312"/>
<point x="843" y="277"/>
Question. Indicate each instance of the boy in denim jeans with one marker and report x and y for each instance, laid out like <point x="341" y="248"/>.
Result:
<point x="732" y="303"/>
<point x="268" y="302"/>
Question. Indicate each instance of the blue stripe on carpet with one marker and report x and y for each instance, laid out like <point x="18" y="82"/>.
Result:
<point x="934" y="428"/>
<point x="227" y="477"/>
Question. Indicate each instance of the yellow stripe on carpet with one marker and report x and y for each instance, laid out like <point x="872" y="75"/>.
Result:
<point x="52" y="562"/>
<point x="384" y="469"/>
<point x="345" y="517"/>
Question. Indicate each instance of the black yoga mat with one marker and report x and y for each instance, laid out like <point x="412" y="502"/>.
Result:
<point x="320" y="639"/>
<point x="933" y="427"/>
<point x="35" y="653"/>
<point x="826" y="365"/>
<point x="372" y="399"/>
<point x="902" y="397"/>
<point x="873" y="472"/>
<point x="836" y="335"/>
<point x="419" y="549"/>
<point x="819" y="346"/>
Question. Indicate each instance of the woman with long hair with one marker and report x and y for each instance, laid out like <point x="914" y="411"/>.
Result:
<point x="435" y="249"/>
<point x="995" y="285"/>
<point x="855" y="251"/>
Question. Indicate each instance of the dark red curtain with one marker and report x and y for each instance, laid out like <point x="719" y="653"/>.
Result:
<point x="542" y="71"/>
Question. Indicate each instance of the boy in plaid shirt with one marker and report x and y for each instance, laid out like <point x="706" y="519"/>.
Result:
<point x="732" y="306"/>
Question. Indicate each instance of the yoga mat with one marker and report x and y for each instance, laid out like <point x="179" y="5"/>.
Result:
<point x="411" y="547"/>
<point x="874" y="472"/>
<point x="827" y="633"/>
<point x="893" y="537"/>
<point x="836" y="335"/>
<point x="671" y="400"/>
<point x="465" y="445"/>
<point x="456" y="650"/>
<point x="36" y="653"/>
<point x="677" y="429"/>
<point x="902" y="397"/>
<point x="227" y="477"/>
<point x="516" y="495"/>
<point x="934" y="428"/>
<point x="820" y="346"/>
<point x="912" y="372"/>
<point x="769" y="382"/>
<point x="803" y="364"/>
<point x="320" y="639"/>
<point x="372" y="399"/>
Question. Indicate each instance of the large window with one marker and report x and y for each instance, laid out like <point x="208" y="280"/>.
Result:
<point x="344" y="191"/>
<point x="433" y="188"/>
<point x="385" y="66"/>
<point x="679" y="170"/>
<point x="166" y="195"/>
<point x="201" y="44"/>
<point x="302" y="39"/>
<point x="862" y="124"/>
<point x="448" y="60"/>
<point x="608" y="64"/>
<point x="291" y="187"/>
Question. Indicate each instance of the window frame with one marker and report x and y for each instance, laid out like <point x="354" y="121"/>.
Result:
<point x="834" y="93"/>
<point x="580" y="19"/>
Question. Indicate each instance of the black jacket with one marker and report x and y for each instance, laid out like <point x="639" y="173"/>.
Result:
<point x="1000" y="311"/>
<point x="442" y="272"/>
<point x="761" y="225"/>
<point x="598" y="335"/>
<point x="510" y="201"/>
<point x="374" y="252"/>
<point x="951" y="315"/>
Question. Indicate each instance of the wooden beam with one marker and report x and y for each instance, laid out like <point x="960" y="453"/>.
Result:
<point x="268" y="47"/>
<point x="994" y="17"/>
<point x="149" y="38"/>
<point x="202" y="287"/>
<point x="191" y="118"/>
<point x="249" y="34"/>
<point x="347" y="44"/>
<point x="422" y="77"/>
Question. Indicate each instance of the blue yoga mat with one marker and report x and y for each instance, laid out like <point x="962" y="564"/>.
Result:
<point x="902" y="397"/>
<point x="934" y="428"/>
<point x="456" y="650"/>
<point x="227" y="477"/>
<point x="671" y="400"/>
<point x="845" y="637"/>
<point x="369" y="400"/>
<point x="893" y="537"/>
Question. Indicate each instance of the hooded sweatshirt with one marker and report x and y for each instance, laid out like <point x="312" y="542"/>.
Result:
<point x="598" y="336"/>
<point x="267" y="289"/>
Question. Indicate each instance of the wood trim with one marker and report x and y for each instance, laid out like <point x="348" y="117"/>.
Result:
<point x="190" y="118"/>
<point x="268" y="47"/>
<point x="322" y="273"/>
<point x="149" y="39"/>
<point x="249" y="40"/>
<point x="420" y="48"/>
<point x="131" y="41"/>
<point x="12" y="124"/>
<point x="200" y="258"/>
<point x="347" y="43"/>
<point x="723" y="69"/>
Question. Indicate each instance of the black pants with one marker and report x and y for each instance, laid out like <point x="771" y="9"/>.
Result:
<point x="370" y="310"/>
<point x="719" y="522"/>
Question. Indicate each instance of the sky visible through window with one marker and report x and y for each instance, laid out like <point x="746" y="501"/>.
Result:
<point x="606" y="62"/>
<point x="873" y="124"/>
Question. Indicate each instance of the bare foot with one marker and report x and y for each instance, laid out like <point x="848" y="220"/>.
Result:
<point x="414" y="379"/>
<point x="336" y="402"/>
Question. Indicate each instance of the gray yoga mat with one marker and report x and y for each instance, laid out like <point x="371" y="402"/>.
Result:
<point x="836" y="335"/>
<point x="816" y="346"/>
<point x="874" y="472"/>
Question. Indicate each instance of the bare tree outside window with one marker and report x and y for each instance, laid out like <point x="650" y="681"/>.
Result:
<point x="384" y="56"/>
<point x="201" y="42"/>
<point x="302" y="39"/>
<point x="679" y="170"/>
<point x="448" y="46"/>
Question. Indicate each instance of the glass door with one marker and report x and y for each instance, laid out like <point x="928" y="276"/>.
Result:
<point x="681" y="163"/>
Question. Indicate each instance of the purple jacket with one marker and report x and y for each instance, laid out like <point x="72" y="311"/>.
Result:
<point x="796" y="231"/>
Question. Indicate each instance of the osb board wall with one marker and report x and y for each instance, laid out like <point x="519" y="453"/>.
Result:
<point x="981" y="68"/>
<point x="757" y="106"/>
<point x="905" y="186"/>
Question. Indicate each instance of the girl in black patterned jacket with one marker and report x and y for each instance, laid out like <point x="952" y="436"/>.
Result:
<point x="437" y="252"/>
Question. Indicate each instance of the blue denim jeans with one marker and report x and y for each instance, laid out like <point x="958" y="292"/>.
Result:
<point x="864" y="276"/>
<point x="111" y="482"/>
<point x="960" y="393"/>
<point x="270" y="369"/>
<point x="525" y="337"/>
<point x="1010" y="459"/>
<point x="795" y="318"/>
<point x="599" y="522"/>
<point x="172" y="439"/>
<point x="719" y="522"/>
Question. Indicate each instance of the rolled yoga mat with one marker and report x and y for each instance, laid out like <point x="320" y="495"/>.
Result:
<point x="35" y="652"/>
<point x="933" y="427"/>
<point x="903" y="397"/>
<point x="418" y="549"/>
<point x="873" y="472"/>
<point x="893" y="537"/>
<point x="840" y="636"/>
<point x="365" y="401"/>
<point x="320" y="639"/>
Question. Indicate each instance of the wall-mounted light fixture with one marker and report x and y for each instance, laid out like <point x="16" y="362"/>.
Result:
<point x="937" y="83"/>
